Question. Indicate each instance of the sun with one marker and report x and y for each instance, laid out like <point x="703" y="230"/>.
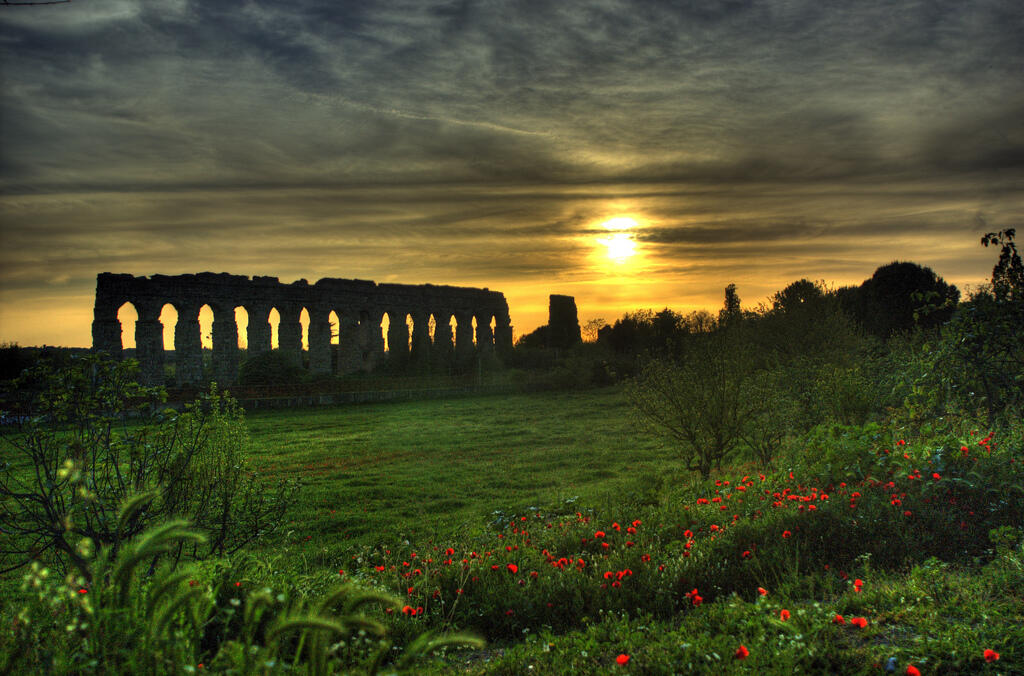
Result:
<point x="619" y="243"/>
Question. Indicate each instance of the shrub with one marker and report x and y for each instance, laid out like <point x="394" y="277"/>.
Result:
<point x="94" y="437"/>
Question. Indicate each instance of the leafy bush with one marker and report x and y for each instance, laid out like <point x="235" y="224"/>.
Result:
<point x="94" y="437"/>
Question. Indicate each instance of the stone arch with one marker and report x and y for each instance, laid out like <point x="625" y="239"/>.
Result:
<point x="214" y="300"/>
<point x="206" y="326"/>
<point x="242" y="324"/>
<point x="169" y="320"/>
<point x="334" y="325"/>
<point x="304" y="321"/>
<point x="127" y="316"/>
<point x="274" y="319"/>
<point x="385" y="327"/>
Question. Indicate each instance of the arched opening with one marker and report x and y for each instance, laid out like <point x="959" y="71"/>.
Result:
<point x="452" y="323"/>
<point x="169" y="318"/>
<point x="275" y="321"/>
<point x="474" y="325"/>
<point x="335" y="321"/>
<point x="385" y="324"/>
<point x="409" y="326"/>
<point x="432" y="327"/>
<point x="127" y="315"/>
<point x="206" y="327"/>
<point x="304" y="328"/>
<point x="242" y="322"/>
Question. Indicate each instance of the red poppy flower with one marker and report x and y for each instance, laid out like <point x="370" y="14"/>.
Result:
<point x="746" y="554"/>
<point x="991" y="655"/>
<point x="599" y="534"/>
<point x="838" y="619"/>
<point x="786" y="534"/>
<point x="408" y="610"/>
<point x="859" y="622"/>
<point x="762" y="591"/>
<point x="742" y="652"/>
<point x="857" y="584"/>
<point x="783" y="614"/>
<point x="622" y="659"/>
<point x="913" y="671"/>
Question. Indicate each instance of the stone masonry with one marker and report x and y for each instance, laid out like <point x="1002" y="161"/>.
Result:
<point x="360" y="306"/>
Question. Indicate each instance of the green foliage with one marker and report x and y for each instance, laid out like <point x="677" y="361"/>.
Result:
<point x="117" y="619"/>
<point x="95" y="438"/>
<point x="698" y="400"/>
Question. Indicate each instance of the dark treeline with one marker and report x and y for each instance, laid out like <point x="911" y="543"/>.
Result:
<point x="902" y="348"/>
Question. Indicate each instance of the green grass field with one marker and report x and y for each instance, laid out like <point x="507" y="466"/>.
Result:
<point x="550" y="526"/>
<point x="381" y="473"/>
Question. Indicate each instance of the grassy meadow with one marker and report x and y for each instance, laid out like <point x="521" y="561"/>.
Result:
<point x="378" y="473"/>
<point x="550" y="526"/>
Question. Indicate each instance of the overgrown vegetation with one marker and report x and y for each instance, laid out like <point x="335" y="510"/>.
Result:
<point x="820" y="495"/>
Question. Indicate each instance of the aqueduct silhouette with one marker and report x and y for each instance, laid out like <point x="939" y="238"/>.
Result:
<point x="360" y="306"/>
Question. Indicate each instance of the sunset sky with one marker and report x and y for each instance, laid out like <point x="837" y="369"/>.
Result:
<point x="631" y="153"/>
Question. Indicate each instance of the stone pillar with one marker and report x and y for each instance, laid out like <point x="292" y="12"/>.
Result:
<point x="443" y="346"/>
<point x="258" y="333"/>
<point x="149" y="342"/>
<point x="289" y="333"/>
<point x="225" y="344"/>
<point x="463" y="336"/>
<point x="503" y="335"/>
<point x="484" y="335"/>
<point x="320" y="341"/>
<point x="398" y="335"/>
<point x="106" y="330"/>
<point x="350" y="343"/>
<point x="188" y="346"/>
<point x="420" y="335"/>
<point x="371" y="338"/>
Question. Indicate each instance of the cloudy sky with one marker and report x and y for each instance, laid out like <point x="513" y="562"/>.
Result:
<point x="489" y="142"/>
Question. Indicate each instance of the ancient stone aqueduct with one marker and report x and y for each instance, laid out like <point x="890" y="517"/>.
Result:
<point x="360" y="307"/>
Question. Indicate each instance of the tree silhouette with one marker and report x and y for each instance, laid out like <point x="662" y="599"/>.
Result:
<point x="902" y="295"/>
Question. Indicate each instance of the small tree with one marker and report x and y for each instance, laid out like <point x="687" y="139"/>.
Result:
<point x="769" y="414"/>
<point x="94" y="438"/>
<point x="697" y="399"/>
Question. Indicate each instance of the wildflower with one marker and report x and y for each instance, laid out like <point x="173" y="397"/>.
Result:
<point x="913" y="671"/>
<point x="408" y="610"/>
<point x="859" y="622"/>
<point x="838" y="619"/>
<point x="645" y="557"/>
<point x="991" y="655"/>
<point x="762" y="591"/>
<point x="599" y="534"/>
<point x="784" y="615"/>
<point x="622" y="659"/>
<point x="857" y="584"/>
<point x="746" y="554"/>
<point x="616" y="526"/>
<point x="636" y="524"/>
<point x="513" y="568"/>
<point x="742" y="652"/>
<point x="786" y="534"/>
